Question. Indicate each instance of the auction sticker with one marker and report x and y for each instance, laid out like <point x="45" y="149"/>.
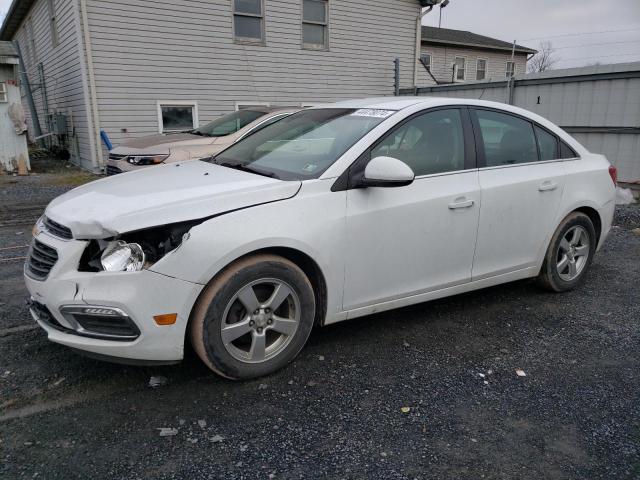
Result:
<point x="373" y="112"/>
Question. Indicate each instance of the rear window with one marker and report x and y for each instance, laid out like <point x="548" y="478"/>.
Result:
<point x="228" y="124"/>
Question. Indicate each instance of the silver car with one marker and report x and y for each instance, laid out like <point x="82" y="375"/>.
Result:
<point x="201" y="142"/>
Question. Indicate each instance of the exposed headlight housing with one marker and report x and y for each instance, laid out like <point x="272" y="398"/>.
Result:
<point x="146" y="159"/>
<point x="122" y="257"/>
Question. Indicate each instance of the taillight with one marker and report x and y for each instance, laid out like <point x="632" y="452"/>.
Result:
<point x="613" y="172"/>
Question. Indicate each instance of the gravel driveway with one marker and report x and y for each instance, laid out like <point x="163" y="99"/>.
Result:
<point x="429" y="391"/>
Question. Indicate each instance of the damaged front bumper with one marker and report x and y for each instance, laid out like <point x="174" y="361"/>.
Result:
<point x="109" y="314"/>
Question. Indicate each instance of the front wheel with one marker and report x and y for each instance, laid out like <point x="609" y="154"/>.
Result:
<point x="254" y="318"/>
<point x="569" y="254"/>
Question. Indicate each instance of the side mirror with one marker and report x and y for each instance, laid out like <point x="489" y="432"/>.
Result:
<point x="387" y="172"/>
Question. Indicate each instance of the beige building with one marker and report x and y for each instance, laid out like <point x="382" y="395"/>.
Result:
<point x="453" y="56"/>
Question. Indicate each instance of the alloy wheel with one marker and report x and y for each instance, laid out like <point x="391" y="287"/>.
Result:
<point x="573" y="253"/>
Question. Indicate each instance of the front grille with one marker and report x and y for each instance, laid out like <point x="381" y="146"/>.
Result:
<point x="111" y="170"/>
<point x="41" y="260"/>
<point x="115" y="156"/>
<point x="56" y="229"/>
<point x="107" y="325"/>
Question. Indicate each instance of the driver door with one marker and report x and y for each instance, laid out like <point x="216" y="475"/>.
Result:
<point x="408" y="240"/>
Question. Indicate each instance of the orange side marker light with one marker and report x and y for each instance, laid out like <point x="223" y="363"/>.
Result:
<point x="166" y="319"/>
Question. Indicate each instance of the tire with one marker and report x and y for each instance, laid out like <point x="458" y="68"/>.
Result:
<point x="567" y="259"/>
<point x="223" y="304"/>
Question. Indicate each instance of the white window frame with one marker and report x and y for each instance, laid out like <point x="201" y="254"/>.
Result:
<point x="486" y="64"/>
<point x="176" y="103"/>
<point x="4" y="96"/>
<point x="53" y="23"/>
<point x="249" y="40"/>
<point x="430" y="55"/>
<point x="464" y="76"/>
<point x="237" y="105"/>
<point x="325" y="24"/>
<point x="506" y="70"/>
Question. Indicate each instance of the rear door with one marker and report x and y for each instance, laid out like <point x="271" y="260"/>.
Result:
<point x="521" y="180"/>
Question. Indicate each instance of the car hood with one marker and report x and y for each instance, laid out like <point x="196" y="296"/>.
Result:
<point x="162" y="195"/>
<point x="163" y="144"/>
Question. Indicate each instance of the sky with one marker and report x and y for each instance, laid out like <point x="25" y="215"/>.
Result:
<point x="583" y="32"/>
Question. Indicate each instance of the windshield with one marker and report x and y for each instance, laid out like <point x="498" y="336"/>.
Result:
<point x="303" y="145"/>
<point x="228" y="124"/>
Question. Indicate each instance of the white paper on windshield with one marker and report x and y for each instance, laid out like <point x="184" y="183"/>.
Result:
<point x="372" y="112"/>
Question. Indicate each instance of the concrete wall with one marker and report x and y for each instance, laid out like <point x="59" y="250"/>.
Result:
<point x="598" y="105"/>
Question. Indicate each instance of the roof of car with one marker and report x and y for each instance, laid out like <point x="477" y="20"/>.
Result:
<point x="400" y="103"/>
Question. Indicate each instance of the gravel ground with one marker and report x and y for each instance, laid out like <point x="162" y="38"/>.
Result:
<point x="339" y="410"/>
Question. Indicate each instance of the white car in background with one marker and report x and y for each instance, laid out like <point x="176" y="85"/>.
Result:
<point x="201" y="142"/>
<point x="329" y="214"/>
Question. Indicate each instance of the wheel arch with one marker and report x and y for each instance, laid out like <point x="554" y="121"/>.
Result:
<point x="594" y="216"/>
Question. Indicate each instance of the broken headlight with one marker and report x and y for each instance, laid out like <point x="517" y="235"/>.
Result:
<point x="133" y="251"/>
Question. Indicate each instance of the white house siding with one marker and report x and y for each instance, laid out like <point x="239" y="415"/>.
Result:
<point x="63" y="79"/>
<point x="442" y="59"/>
<point x="183" y="50"/>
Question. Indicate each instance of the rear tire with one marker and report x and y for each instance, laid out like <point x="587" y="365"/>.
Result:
<point x="253" y="318"/>
<point x="569" y="255"/>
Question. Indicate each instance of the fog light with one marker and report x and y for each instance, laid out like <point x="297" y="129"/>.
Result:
<point x="122" y="257"/>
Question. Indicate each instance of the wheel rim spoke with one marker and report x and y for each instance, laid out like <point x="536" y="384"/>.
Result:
<point x="573" y="268"/>
<point x="247" y="297"/>
<point x="582" y="251"/>
<point x="575" y="237"/>
<point x="279" y="295"/>
<point x="234" y="331"/>
<point x="565" y="246"/>
<point x="258" y="347"/>
<point x="285" y="326"/>
<point x="562" y="264"/>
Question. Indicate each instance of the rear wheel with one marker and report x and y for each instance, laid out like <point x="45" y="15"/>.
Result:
<point x="569" y="254"/>
<point x="254" y="318"/>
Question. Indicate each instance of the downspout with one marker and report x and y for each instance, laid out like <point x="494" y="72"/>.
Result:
<point x="418" y="44"/>
<point x="92" y="82"/>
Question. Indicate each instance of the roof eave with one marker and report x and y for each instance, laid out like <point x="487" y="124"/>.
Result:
<point x="479" y="46"/>
<point x="16" y="14"/>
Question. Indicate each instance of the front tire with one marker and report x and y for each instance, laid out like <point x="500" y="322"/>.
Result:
<point x="569" y="255"/>
<point x="253" y="318"/>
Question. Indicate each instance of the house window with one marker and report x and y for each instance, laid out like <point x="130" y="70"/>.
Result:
<point x="461" y="67"/>
<point x="481" y="69"/>
<point x="177" y="116"/>
<point x="53" y="26"/>
<point x="425" y="58"/>
<point x="3" y="93"/>
<point x="248" y="21"/>
<point x="315" y="24"/>
<point x="511" y="69"/>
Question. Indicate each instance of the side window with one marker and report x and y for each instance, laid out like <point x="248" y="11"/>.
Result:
<point x="507" y="139"/>
<point x="430" y="143"/>
<point x="547" y="143"/>
<point x="566" y="151"/>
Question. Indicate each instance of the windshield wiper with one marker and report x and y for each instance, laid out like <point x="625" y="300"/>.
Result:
<point x="245" y="168"/>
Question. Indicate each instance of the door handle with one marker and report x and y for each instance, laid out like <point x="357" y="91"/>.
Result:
<point x="461" y="203"/>
<point x="547" y="186"/>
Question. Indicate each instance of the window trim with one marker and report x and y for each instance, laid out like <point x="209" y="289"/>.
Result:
<point x="506" y="69"/>
<point x="315" y="46"/>
<point x="53" y="23"/>
<point x="479" y="144"/>
<point x="263" y="24"/>
<point x="455" y="59"/>
<point x="176" y="103"/>
<point x="4" y="94"/>
<point x="486" y="64"/>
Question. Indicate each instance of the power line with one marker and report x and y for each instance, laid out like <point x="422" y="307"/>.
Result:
<point x="596" y="44"/>
<point x="580" y="34"/>
<point x="602" y="56"/>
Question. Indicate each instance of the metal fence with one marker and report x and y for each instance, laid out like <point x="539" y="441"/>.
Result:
<point x="598" y="105"/>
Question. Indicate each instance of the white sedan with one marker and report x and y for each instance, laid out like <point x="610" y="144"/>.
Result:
<point x="330" y="214"/>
